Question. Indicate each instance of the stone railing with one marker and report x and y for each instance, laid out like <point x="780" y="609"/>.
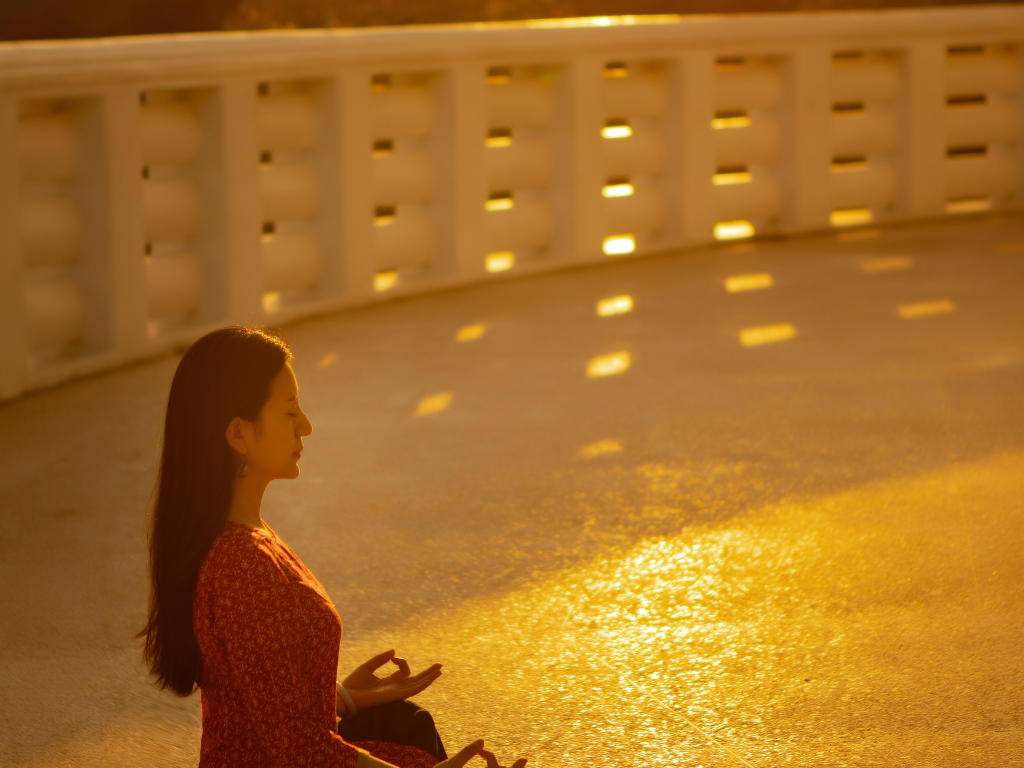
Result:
<point x="153" y="188"/>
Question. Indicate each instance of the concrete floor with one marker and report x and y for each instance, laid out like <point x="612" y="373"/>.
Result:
<point x="798" y="553"/>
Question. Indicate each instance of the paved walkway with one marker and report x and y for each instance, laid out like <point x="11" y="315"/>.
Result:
<point x="801" y="552"/>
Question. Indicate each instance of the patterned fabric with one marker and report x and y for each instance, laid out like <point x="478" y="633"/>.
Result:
<point x="269" y="637"/>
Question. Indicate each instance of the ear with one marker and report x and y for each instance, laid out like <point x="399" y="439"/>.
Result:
<point x="239" y="434"/>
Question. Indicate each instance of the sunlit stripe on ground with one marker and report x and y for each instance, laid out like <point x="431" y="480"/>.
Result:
<point x="434" y="404"/>
<point x="608" y="365"/>
<point x="500" y="261"/>
<point x="470" y="332"/>
<point x="326" y="360"/>
<point x="733" y="230"/>
<point x="600" y="448"/>
<point x="615" y="245"/>
<point x="615" y="305"/>
<point x="738" y="283"/>
<point x="385" y="281"/>
<point x="968" y="205"/>
<point x="271" y="302"/>
<point x="925" y="308"/>
<point x="850" y="217"/>
<point x="766" y="334"/>
<point x="887" y="264"/>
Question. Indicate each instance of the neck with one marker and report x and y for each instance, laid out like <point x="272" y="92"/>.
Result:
<point x="247" y="499"/>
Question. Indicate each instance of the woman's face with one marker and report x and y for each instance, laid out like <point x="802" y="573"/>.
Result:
<point x="276" y="442"/>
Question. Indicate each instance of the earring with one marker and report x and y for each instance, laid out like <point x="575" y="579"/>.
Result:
<point x="243" y="469"/>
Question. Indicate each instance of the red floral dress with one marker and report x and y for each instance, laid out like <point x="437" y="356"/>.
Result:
<point x="269" y="637"/>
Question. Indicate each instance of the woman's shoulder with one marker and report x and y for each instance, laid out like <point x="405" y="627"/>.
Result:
<point x="243" y="555"/>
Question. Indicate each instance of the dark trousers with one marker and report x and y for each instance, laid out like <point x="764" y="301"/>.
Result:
<point x="398" y="722"/>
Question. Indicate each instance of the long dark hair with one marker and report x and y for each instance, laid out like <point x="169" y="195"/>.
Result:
<point x="226" y="373"/>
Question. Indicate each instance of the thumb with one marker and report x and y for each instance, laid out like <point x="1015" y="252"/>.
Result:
<point x="464" y="755"/>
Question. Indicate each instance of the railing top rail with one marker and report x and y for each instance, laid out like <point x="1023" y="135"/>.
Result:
<point x="221" y="53"/>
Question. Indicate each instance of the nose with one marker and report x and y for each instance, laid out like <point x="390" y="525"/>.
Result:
<point x="305" y="426"/>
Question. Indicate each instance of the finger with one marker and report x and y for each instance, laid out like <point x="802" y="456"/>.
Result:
<point x="519" y="763"/>
<point x="410" y="689"/>
<point x="492" y="761"/>
<point x="378" y="661"/>
<point x="428" y="671"/>
<point x="403" y="668"/>
<point x="465" y="754"/>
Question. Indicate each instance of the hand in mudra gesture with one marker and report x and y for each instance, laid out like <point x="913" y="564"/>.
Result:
<point x="467" y="753"/>
<point x="368" y="690"/>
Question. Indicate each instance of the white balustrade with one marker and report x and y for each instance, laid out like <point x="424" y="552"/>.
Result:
<point x="524" y="164"/>
<point x="169" y="134"/>
<point x="643" y="152"/>
<point x="985" y="123"/>
<point x="982" y="72"/>
<point x="402" y="177"/>
<point x="155" y="188"/>
<point x="524" y="226"/>
<point x="747" y="85"/>
<point x="520" y="104"/>
<point x="47" y="148"/>
<point x="51" y="231"/>
<point x="865" y="132"/>
<point x="976" y="177"/>
<point x="637" y="95"/>
<point x="865" y="188"/>
<point x="291" y="262"/>
<point x="170" y="209"/>
<point x="861" y="80"/>
<point x="286" y="122"/>
<point x="401" y="112"/>
<point x="407" y="242"/>
<point x="757" y="142"/>
<point x="643" y="211"/>
<point x="289" y="191"/>
<point x="54" y="312"/>
<point x="174" y="285"/>
<point x="759" y="199"/>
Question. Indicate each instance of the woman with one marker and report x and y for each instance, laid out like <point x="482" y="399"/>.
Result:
<point x="234" y="611"/>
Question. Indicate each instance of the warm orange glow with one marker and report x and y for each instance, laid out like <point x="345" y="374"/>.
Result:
<point x="499" y="201"/>
<point x="600" y="448"/>
<point x="850" y="217"/>
<point x="327" y="360"/>
<point x="385" y="281"/>
<point x="500" y="261"/>
<point x="615" y="245"/>
<point x="608" y="365"/>
<point x="887" y="264"/>
<point x="470" y="332"/>
<point x="434" y="404"/>
<point x="766" y="334"/>
<point x="925" y="308"/>
<point x="616" y="305"/>
<point x="733" y="230"/>
<point x="271" y="302"/>
<point x="739" y="283"/>
<point x="968" y="205"/>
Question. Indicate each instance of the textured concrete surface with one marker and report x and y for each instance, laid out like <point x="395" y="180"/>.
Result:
<point x="799" y="553"/>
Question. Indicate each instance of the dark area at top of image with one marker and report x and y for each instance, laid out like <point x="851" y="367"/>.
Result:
<point x="62" y="19"/>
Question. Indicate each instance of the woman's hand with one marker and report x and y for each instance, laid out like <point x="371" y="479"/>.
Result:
<point x="467" y="753"/>
<point x="368" y="690"/>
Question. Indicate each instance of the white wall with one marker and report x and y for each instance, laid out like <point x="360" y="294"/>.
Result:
<point x="154" y="188"/>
